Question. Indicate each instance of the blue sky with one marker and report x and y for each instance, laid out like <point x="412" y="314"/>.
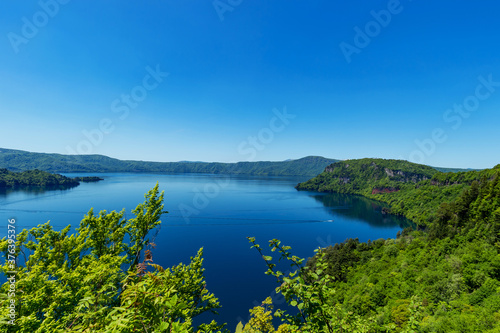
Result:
<point x="253" y="80"/>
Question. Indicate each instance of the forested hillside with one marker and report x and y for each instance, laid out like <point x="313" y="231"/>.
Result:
<point x="17" y="160"/>
<point x="446" y="279"/>
<point x="412" y="190"/>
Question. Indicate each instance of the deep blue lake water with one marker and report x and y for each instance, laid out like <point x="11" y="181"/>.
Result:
<point x="217" y="213"/>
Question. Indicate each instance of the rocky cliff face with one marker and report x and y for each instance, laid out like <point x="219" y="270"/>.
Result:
<point x="369" y="176"/>
<point x="405" y="177"/>
<point x="331" y="168"/>
<point x="373" y="170"/>
<point x="378" y="190"/>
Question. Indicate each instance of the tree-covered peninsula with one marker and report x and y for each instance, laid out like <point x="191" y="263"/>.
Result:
<point x="34" y="178"/>
<point x="40" y="179"/>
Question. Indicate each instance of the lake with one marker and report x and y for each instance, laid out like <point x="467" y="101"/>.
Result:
<point x="216" y="212"/>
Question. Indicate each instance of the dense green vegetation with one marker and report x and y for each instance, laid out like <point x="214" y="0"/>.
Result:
<point x="34" y="178"/>
<point x="17" y="160"/>
<point x="450" y="272"/>
<point x="412" y="190"/>
<point x="40" y="179"/>
<point x="368" y="175"/>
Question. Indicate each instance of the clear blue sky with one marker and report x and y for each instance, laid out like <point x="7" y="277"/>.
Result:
<point x="74" y="67"/>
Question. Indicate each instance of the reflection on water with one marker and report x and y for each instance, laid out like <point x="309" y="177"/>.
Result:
<point x="358" y="207"/>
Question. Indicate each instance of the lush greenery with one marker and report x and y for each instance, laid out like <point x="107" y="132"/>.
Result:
<point x="34" y="178"/>
<point x="102" y="278"/>
<point x="18" y="160"/>
<point x="412" y="190"/>
<point x="446" y="279"/>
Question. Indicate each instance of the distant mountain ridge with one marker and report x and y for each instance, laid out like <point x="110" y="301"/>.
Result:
<point x="19" y="160"/>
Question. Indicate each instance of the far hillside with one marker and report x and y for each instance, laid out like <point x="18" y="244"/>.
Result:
<point x="18" y="160"/>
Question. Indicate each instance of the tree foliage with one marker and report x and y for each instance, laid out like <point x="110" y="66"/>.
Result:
<point x="103" y="279"/>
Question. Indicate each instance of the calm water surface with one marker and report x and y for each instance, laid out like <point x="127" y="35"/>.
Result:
<point x="217" y="213"/>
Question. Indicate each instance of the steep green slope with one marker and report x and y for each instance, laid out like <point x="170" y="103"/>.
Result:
<point x="17" y="160"/>
<point x="412" y="190"/>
